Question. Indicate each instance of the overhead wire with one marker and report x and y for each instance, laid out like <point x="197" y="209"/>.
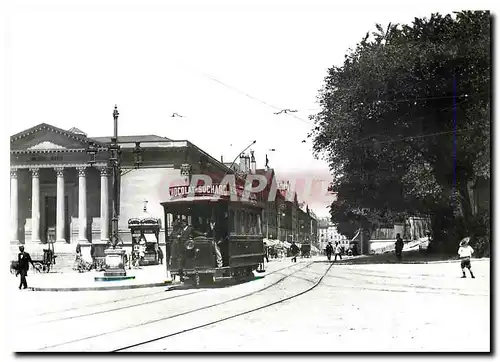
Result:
<point x="245" y="93"/>
<point x="312" y="123"/>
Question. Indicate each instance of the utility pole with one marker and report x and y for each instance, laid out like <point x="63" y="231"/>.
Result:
<point x="278" y="214"/>
<point x="267" y="221"/>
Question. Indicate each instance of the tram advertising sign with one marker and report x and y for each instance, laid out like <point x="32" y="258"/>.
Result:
<point x="214" y="190"/>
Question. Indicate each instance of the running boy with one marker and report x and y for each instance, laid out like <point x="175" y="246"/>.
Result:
<point x="465" y="251"/>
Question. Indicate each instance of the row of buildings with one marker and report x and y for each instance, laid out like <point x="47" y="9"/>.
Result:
<point x="61" y="187"/>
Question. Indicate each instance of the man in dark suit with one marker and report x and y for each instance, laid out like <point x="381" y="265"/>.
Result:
<point x="215" y="233"/>
<point x="23" y="259"/>
<point x="399" y="247"/>
<point x="180" y="238"/>
<point x="187" y="231"/>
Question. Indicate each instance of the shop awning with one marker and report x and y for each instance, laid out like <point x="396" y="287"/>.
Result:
<point x="150" y="238"/>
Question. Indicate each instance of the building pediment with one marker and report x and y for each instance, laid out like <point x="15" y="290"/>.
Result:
<point x="47" y="137"/>
<point x="46" y="145"/>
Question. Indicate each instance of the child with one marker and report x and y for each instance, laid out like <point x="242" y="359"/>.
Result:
<point x="464" y="252"/>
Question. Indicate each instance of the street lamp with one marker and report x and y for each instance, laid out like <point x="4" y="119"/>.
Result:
<point x="138" y="154"/>
<point x="92" y="151"/>
<point x="115" y="256"/>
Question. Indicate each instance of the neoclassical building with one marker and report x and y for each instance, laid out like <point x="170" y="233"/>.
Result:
<point x="58" y="194"/>
<point x="61" y="188"/>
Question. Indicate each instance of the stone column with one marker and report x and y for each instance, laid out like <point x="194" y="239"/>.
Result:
<point x="14" y="207"/>
<point x="60" y="236"/>
<point x="104" y="204"/>
<point x="35" y="205"/>
<point x="82" y="205"/>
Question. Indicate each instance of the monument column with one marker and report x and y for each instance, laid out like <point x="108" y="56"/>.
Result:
<point x="14" y="206"/>
<point x="104" y="204"/>
<point x="60" y="236"/>
<point x="35" y="205"/>
<point x="82" y="205"/>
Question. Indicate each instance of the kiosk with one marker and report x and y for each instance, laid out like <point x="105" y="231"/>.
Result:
<point x="145" y="239"/>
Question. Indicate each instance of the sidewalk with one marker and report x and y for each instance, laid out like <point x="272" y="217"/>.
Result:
<point x="145" y="277"/>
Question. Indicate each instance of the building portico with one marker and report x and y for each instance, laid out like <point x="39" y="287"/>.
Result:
<point x="50" y="198"/>
<point x="51" y="204"/>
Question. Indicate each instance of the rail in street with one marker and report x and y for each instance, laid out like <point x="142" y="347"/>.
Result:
<point x="337" y="303"/>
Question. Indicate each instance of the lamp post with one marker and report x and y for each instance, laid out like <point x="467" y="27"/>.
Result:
<point x="115" y="255"/>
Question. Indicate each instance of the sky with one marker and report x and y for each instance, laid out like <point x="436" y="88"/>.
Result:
<point x="225" y="67"/>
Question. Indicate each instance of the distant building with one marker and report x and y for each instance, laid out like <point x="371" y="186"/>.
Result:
<point x="328" y="233"/>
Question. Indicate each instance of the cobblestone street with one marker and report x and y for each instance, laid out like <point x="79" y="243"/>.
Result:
<point x="370" y="307"/>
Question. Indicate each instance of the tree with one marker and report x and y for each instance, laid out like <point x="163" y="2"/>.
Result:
<point x="405" y="121"/>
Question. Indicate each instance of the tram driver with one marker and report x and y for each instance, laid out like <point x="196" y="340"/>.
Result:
<point x="187" y="231"/>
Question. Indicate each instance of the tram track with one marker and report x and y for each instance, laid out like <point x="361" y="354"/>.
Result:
<point x="145" y="295"/>
<point x="97" y="304"/>
<point x="118" y="308"/>
<point x="267" y="305"/>
<point x="185" y="313"/>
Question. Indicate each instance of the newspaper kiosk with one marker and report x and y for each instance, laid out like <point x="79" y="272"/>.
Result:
<point x="145" y="239"/>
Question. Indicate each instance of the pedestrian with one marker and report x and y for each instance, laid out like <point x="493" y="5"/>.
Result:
<point x="23" y="260"/>
<point x="329" y="250"/>
<point x="338" y="251"/>
<point x="430" y="240"/>
<point x="399" y="247"/>
<point x="78" y="250"/>
<point x="465" y="251"/>
<point x="160" y="254"/>
<point x="294" y="249"/>
<point x="92" y="255"/>
<point x="142" y="253"/>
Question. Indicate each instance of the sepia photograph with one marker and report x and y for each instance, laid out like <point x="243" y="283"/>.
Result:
<point x="242" y="177"/>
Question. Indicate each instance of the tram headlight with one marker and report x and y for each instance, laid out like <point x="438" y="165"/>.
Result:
<point x="190" y="245"/>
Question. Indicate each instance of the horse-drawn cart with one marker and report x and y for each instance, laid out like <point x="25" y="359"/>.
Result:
<point x="41" y="265"/>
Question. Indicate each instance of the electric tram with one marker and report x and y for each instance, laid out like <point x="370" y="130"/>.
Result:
<point x="211" y="236"/>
